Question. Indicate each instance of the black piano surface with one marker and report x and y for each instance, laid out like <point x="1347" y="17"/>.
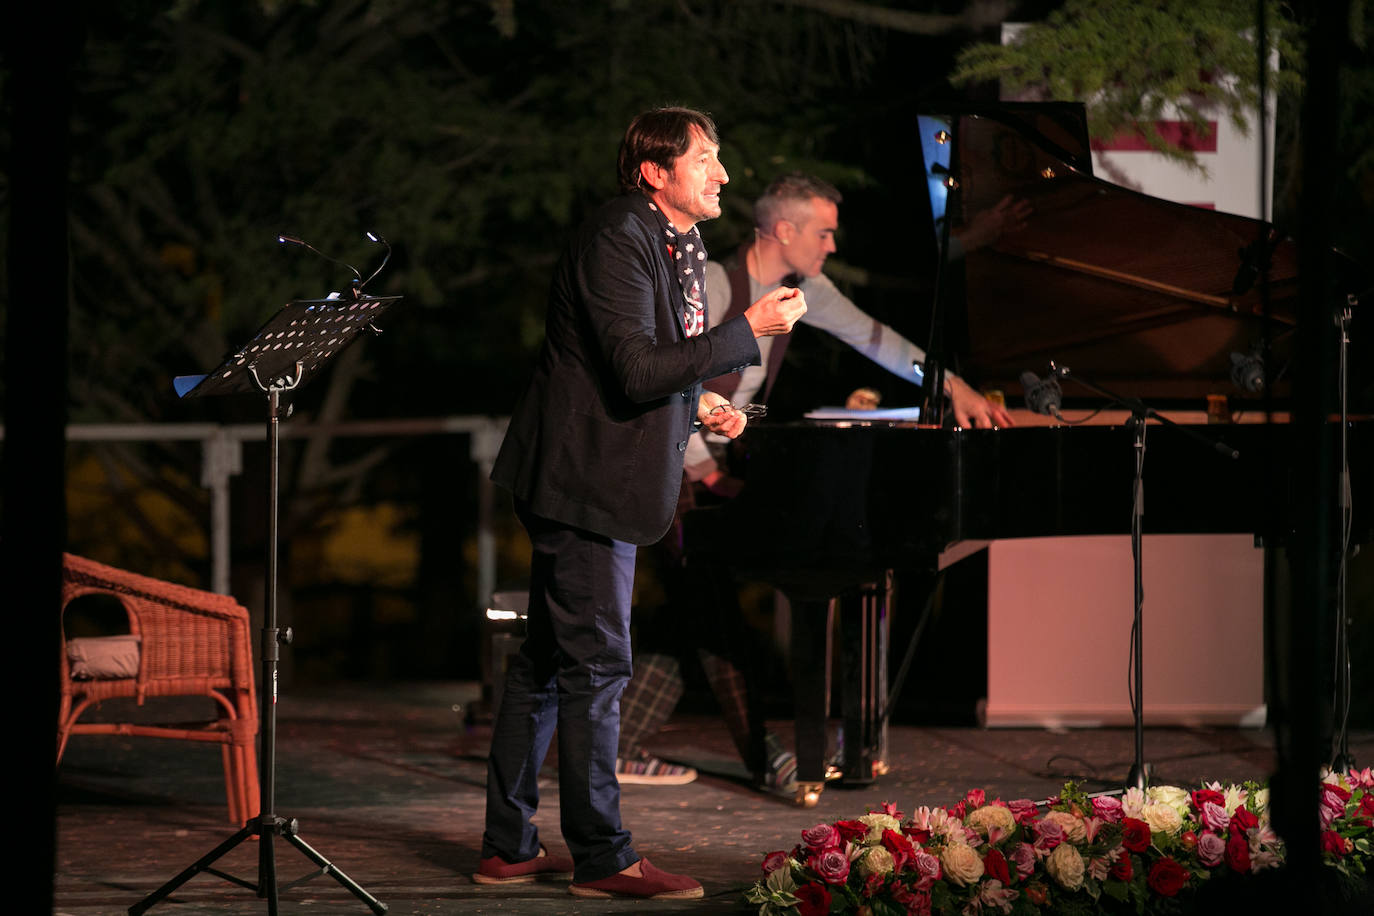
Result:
<point x="824" y="506"/>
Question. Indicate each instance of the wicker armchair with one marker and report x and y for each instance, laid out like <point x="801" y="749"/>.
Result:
<point x="183" y="642"/>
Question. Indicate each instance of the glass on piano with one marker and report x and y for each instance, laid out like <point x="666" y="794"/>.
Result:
<point x="751" y="410"/>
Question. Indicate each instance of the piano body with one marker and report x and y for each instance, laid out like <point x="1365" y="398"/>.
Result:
<point x="1141" y="295"/>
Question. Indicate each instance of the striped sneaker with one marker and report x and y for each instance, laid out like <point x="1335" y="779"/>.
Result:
<point x="650" y="771"/>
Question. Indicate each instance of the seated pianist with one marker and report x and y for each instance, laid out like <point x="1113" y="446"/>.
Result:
<point x="795" y="221"/>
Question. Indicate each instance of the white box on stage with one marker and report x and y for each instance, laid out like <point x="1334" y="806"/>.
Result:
<point x="1059" y="631"/>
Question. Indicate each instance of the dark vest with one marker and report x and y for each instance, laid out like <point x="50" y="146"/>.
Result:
<point x="737" y="271"/>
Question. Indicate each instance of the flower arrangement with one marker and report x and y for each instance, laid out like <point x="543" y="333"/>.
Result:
<point x="1142" y="852"/>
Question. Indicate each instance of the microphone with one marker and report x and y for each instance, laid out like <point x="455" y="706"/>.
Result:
<point x="292" y="240"/>
<point x="1247" y="370"/>
<point x="1042" y="395"/>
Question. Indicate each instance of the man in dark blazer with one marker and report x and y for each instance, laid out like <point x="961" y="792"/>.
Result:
<point x="593" y="457"/>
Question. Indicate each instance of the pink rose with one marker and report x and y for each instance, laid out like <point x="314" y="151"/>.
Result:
<point x="1022" y="855"/>
<point x="1049" y="834"/>
<point x="1214" y="817"/>
<point x="927" y="868"/>
<point x="1210" y="849"/>
<point x="821" y="837"/>
<point x="1333" y="803"/>
<point x="831" y="866"/>
<point x="1108" y="808"/>
<point x="1023" y="810"/>
<point x="773" y="861"/>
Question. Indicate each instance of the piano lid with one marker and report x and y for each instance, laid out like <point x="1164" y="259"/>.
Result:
<point x="1132" y="291"/>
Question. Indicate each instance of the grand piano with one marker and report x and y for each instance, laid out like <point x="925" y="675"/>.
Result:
<point x="1151" y="298"/>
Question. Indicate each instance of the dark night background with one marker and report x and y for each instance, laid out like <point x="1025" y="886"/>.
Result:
<point x="472" y="136"/>
<point x="154" y="151"/>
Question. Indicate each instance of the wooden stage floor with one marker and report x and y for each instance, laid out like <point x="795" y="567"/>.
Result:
<point x="388" y="783"/>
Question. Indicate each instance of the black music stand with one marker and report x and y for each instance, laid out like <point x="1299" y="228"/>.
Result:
<point x="286" y="352"/>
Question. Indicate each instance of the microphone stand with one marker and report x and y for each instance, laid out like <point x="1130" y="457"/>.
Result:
<point x="1139" y="776"/>
<point x="1342" y="761"/>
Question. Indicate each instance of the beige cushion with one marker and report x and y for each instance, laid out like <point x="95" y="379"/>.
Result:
<point x="103" y="657"/>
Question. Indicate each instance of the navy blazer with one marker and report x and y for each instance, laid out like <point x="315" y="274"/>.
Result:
<point x="597" y="439"/>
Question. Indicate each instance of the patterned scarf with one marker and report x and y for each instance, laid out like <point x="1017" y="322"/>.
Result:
<point x="687" y="259"/>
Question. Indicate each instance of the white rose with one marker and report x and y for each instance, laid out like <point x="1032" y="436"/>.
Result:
<point x="962" y="865"/>
<point x="1162" y="818"/>
<point x="1065" y="866"/>
<point x="877" y="861"/>
<point x="877" y="823"/>
<point x="1173" y="796"/>
<point x="981" y="819"/>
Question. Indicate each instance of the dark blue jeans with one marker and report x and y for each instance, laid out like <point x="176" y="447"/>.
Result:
<point x="569" y="672"/>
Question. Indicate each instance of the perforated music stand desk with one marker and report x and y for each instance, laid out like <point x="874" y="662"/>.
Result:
<point x="285" y="353"/>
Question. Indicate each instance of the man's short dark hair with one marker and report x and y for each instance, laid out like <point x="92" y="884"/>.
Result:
<point x="780" y="198"/>
<point x="659" y="136"/>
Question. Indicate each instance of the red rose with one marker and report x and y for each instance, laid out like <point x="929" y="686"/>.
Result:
<point x="852" y="830"/>
<point x="995" y="864"/>
<point x="1203" y="796"/>
<point x="1333" y="843"/>
<point x="1167" y="877"/>
<point x="1242" y="820"/>
<point x="903" y="853"/>
<point x="1122" y="870"/>
<point x="773" y="861"/>
<point x="1136" y="836"/>
<point x="917" y="903"/>
<point x="813" y="899"/>
<point x="1238" y="853"/>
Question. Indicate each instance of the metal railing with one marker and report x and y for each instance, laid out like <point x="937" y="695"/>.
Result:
<point x="222" y="458"/>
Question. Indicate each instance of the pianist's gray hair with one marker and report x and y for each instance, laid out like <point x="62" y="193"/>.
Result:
<point x="780" y="199"/>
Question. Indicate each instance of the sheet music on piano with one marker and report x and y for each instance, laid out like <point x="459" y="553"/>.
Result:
<point x="889" y="416"/>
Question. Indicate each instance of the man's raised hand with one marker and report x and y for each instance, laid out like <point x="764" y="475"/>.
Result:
<point x="775" y="312"/>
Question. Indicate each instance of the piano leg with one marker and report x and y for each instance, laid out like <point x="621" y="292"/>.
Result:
<point x="812" y="624"/>
<point x="862" y="671"/>
<point x="863" y="679"/>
